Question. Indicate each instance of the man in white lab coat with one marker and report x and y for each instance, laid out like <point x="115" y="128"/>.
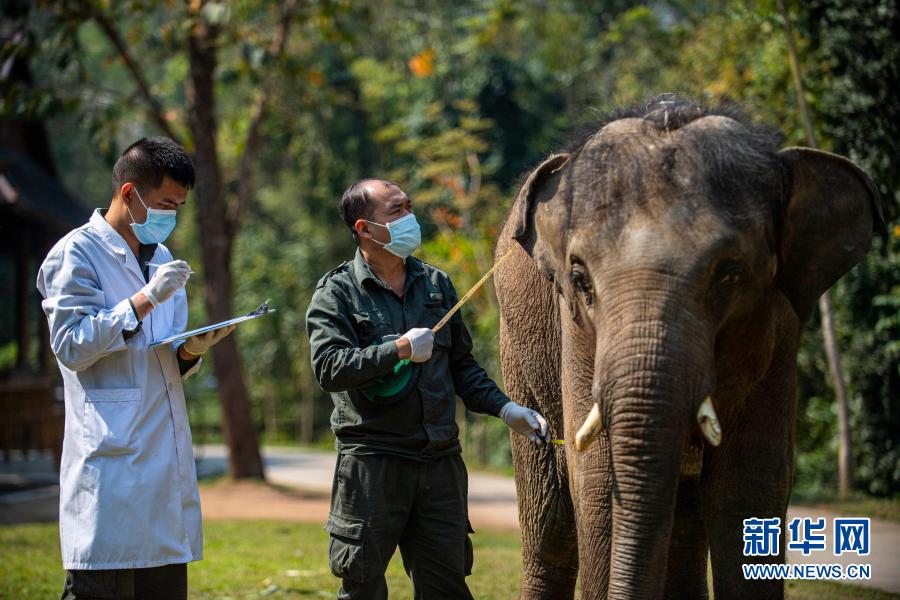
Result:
<point x="129" y="505"/>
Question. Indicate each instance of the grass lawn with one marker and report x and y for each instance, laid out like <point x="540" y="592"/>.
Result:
<point x="887" y="509"/>
<point x="264" y="559"/>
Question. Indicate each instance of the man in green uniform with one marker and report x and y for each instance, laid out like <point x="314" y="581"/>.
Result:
<point x="399" y="478"/>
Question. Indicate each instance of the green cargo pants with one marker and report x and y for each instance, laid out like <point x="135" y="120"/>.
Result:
<point x="381" y="501"/>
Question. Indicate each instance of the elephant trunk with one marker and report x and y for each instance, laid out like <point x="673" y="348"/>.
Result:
<point x="648" y="381"/>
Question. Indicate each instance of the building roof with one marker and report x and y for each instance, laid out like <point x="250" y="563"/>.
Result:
<point x="33" y="194"/>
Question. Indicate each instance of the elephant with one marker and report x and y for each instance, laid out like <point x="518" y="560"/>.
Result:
<point x="661" y="270"/>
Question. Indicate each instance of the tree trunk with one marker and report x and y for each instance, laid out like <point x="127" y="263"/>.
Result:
<point x="270" y="412"/>
<point x="845" y="463"/>
<point x="845" y="460"/>
<point x="307" y="399"/>
<point x="237" y="422"/>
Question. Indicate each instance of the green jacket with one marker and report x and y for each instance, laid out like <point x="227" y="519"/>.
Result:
<point x="351" y="310"/>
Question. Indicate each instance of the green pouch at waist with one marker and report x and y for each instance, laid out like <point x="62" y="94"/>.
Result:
<point x="395" y="385"/>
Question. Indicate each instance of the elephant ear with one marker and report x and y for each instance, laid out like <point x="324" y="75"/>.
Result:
<point x="533" y="204"/>
<point x="832" y="209"/>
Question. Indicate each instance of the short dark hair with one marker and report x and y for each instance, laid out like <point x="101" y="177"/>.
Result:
<point x="147" y="161"/>
<point x="355" y="203"/>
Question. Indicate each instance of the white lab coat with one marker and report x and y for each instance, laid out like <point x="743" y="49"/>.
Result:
<point x="128" y="486"/>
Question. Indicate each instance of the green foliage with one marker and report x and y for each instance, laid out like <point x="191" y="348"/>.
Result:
<point x="858" y="48"/>
<point x="868" y="301"/>
<point x="858" y="60"/>
<point x="8" y="354"/>
<point x="455" y="102"/>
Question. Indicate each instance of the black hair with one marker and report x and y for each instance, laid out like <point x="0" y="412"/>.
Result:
<point x="147" y="161"/>
<point x="355" y="204"/>
<point x="737" y="161"/>
<point x="669" y="112"/>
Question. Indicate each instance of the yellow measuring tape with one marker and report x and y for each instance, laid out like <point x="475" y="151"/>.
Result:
<point x="468" y="295"/>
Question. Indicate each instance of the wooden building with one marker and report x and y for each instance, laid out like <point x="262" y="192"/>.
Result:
<point x="35" y="211"/>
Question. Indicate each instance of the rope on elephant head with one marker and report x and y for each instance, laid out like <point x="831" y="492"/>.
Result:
<point x="468" y="295"/>
<point x="558" y="442"/>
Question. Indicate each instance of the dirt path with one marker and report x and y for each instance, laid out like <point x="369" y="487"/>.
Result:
<point x="301" y="488"/>
<point x="249" y="500"/>
<point x="254" y="501"/>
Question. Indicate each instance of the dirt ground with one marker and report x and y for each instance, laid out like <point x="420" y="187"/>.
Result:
<point x="252" y="501"/>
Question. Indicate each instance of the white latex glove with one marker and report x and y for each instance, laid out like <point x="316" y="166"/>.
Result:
<point x="168" y="279"/>
<point x="523" y="420"/>
<point x="198" y="344"/>
<point x="421" y="340"/>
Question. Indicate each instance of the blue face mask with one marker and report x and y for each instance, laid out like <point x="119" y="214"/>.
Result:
<point x="405" y="236"/>
<point x="156" y="227"/>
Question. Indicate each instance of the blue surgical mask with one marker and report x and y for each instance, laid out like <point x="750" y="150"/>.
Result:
<point x="405" y="235"/>
<point x="156" y="227"/>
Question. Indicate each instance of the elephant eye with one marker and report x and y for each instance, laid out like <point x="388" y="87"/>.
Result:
<point x="730" y="273"/>
<point x="730" y="279"/>
<point x="581" y="282"/>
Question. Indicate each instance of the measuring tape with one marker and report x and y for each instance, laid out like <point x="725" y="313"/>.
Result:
<point x="468" y="295"/>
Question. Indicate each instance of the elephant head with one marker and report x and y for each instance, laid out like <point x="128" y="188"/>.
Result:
<point x="679" y="239"/>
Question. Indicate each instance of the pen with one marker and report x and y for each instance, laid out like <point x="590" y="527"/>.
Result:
<point x="150" y="264"/>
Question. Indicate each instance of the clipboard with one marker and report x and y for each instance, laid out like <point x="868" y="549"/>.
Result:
<point x="263" y="309"/>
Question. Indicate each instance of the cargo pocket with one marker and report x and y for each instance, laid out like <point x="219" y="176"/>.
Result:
<point x="470" y="552"/>
<point x="110" y="416"/>
<point x="346" y="554"/>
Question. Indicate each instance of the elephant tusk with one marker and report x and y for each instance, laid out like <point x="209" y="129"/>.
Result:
<point x="709" y="422"/>
<point x="589" y="431"/>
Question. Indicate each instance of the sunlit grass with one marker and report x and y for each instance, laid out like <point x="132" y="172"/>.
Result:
<point x="270" y="559"/>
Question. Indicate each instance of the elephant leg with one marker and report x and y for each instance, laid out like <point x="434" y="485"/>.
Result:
<point x="530" y="357"/>
<point x="686" y="570"/>
<point x="748" y="476"/>
<point x="549" y="545"/>
<point x="591" y="484"/>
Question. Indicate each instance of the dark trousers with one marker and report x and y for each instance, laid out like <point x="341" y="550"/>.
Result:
<point x="379" y="502"/>
<point x="168" y="582"/>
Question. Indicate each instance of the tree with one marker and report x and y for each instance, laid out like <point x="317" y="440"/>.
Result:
<point x="845" y="464"/>
<point x="218" y="233"/>
<point x="219" y="214"/>
<point x="859" y="115"/>
<point x="456" y="101"/>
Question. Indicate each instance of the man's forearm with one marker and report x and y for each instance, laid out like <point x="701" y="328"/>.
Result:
<point x="186" y="356"/>
<point x="404" y="348"/>
<point x="478" y="391"/>
<point x="352" y="368"/>
<point x="141" y="305"/>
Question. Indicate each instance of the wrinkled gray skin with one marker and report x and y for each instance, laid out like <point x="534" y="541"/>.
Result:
<point x="654" y="266"/>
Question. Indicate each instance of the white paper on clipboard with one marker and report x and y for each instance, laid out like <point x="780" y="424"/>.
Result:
<point x="262" y="310"/>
